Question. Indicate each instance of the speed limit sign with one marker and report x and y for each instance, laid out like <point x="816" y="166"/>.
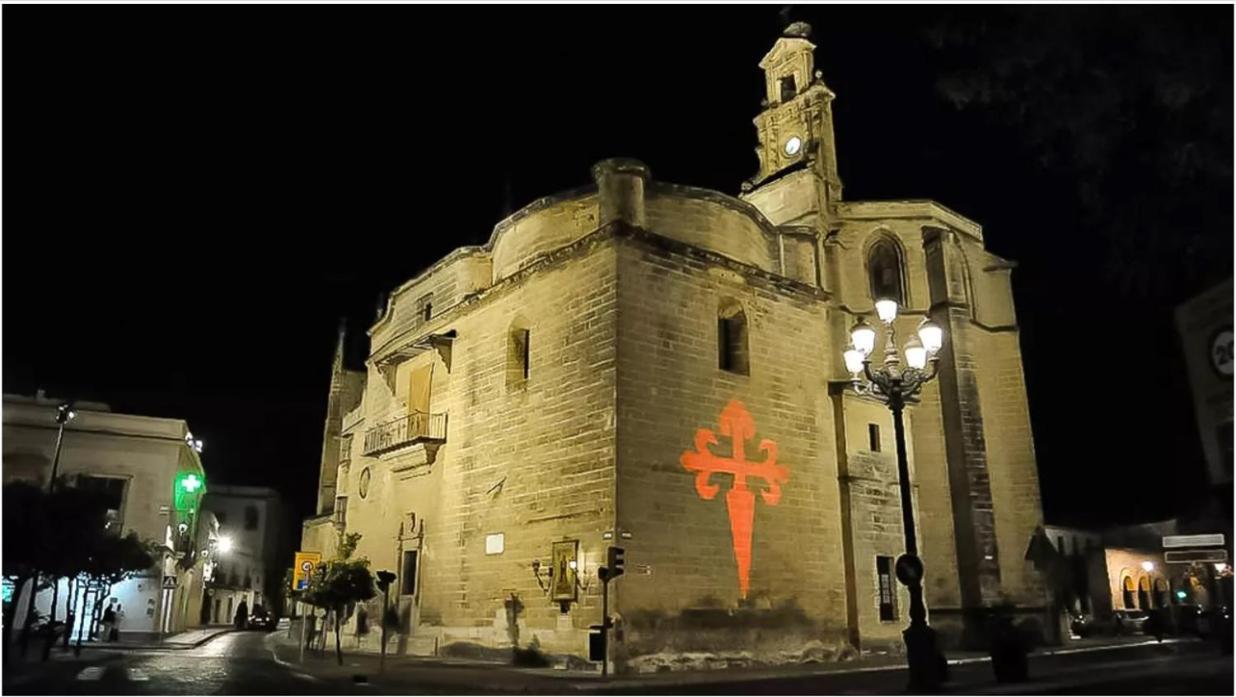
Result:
<point x="306" y="562"/>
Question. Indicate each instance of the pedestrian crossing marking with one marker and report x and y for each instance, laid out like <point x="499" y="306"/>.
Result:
<point x="137" y="675"/>
<point x="91" y="673"/>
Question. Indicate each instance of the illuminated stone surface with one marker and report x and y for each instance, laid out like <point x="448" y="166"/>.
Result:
<point x="620" y="286"/>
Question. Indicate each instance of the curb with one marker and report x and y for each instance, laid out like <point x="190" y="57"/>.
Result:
<point x="164" y="646"/>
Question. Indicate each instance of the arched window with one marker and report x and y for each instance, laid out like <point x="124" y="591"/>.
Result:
<point x="884" y="271"/>
<point x="1128" y="589"/>
<point x="732" y="354"/>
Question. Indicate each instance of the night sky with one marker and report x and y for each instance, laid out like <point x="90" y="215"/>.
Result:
<point x="194" y="196"/>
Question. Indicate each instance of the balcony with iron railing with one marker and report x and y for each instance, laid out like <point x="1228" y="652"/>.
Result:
<point x="416" y="427"/>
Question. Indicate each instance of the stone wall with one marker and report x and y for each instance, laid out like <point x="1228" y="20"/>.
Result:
<point x="682" y="590"/>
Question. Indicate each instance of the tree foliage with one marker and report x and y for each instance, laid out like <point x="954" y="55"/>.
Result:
<point x="339" y="583"/>
<point x="64" y="535"/>
<point x="1132" y="107"/>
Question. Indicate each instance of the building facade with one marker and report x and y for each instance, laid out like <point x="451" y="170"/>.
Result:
<point x="142" y="463"/>
<point x="660" y="367"/>
<point x="250" y="566"/>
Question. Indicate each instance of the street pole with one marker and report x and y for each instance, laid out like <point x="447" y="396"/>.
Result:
<point x="64" y="413"/>
<point x="382" y="619"/>
<point x="604" y="623"/>
<point x="922" y="653"/>
<point x="304" y="630"/>
<point x="895" y="383"/>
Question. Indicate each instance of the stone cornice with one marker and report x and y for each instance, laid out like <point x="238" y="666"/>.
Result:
<point x="580" y="247"/>
<point x="909" y="209"/>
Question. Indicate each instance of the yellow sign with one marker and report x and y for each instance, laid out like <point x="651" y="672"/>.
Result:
<point x="303" y="568"/>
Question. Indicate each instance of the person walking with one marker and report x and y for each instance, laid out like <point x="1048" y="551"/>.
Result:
<point x="242" y="615"/>
<point x="109" y="619"/>
<point x="117" y="620"/>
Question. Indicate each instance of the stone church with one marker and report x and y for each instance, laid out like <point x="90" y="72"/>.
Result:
<point x="659" y="366"/>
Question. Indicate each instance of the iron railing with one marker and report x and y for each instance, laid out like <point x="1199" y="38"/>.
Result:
<point x="406" y="430"/>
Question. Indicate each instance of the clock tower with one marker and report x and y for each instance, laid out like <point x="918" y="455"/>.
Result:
<point x="797" y="179"/>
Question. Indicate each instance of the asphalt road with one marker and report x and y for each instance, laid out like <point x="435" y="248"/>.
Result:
<point x="234" y="663"/>
<point x="243" y="663"/>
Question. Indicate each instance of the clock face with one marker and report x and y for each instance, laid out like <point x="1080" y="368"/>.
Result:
<point x="793" y="145"/>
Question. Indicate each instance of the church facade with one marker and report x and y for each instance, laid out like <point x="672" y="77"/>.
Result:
<point x="659" y="367"/>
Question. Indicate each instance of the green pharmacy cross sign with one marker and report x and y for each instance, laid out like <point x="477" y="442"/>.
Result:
<point x="190" y="483"/>
<point x="188" y="487"/>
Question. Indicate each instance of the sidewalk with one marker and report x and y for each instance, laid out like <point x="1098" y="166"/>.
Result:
<point x="190" y="639"/>
<point x="467" y="675"/>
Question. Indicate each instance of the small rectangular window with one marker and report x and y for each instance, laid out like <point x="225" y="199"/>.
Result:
<point x="888" y="591"/>
<point x="341" y="511"/>
<point x="527" y="347"/>
<point x="407" y="580"/>
<point x="873" y="437"/>
<point x="518" y="357"/>
<point x="427" y="308"/>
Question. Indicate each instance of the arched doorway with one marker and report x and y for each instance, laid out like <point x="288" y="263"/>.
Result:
<point x="1127" y="588"/>
<point x="1162" y="593"/>
<point x="1143" y="593"/>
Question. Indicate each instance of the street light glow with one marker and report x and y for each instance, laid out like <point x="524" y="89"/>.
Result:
<point x="863" y="336"/>
<point x="1148" y="566"/>
<point x="853" y="361"/>
<point x="931" y="335"/>
<point x="916" y="355"/>
<point x="225" y="544"/>
<point x="886" y="309"/>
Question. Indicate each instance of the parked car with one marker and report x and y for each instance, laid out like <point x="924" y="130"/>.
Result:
<point x="1129" y="621"/>
<point x="263" y="622"/>
<point x="1120" y="622"/>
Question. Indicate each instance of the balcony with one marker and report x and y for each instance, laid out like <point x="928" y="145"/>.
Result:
<point x="416" y="427"/>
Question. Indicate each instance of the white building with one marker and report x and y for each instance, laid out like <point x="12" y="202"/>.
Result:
<point x="249" y="566"/>
<point x="140" y="462"/>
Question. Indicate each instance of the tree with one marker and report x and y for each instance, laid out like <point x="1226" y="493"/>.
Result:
<point x="1133" y="106"/>
<point x="340" y="582"/>
<point x="63" y="535"/>
<point x="23" y="503"/>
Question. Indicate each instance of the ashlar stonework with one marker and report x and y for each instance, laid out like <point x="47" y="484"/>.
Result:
<point x="531" y="401"/>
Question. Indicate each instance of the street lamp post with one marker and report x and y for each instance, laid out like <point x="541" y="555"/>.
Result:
<point x="895" y="385"/>
<point x="64" y="414"/>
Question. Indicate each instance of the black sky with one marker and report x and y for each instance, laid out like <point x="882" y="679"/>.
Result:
<point x="193" y="196"/>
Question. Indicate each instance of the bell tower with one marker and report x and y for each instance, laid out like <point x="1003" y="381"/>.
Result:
<point x="795" y="130"/>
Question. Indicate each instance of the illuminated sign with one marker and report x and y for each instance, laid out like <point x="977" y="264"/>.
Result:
<point x="736" y="424"/>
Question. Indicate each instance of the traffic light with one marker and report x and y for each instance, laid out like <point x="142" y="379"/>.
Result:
<point x="617" y="561"/>
<point x="385" y="578"/>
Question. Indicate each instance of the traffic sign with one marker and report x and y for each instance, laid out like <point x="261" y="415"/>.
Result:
<point x="1175" y="541"/>
<point x="1189" y="556"/>
<point x="909" y="569"/>
<point x="169" y="582"/>
<point x="303" y="568"/>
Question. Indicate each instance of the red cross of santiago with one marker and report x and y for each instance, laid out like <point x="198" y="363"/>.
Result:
<point x="736" y="423"/>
